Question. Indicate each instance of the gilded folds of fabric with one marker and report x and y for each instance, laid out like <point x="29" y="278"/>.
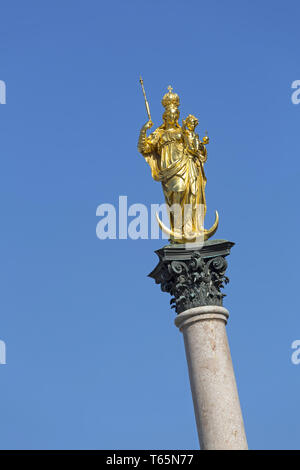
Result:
<point x="178" y="169"/>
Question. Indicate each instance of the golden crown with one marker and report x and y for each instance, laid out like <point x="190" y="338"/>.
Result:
<point x="170" y="99"/>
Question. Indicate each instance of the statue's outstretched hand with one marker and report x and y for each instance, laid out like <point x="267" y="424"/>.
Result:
<point x="148" y="125"/>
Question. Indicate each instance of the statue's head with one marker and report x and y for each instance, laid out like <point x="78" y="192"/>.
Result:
<point x="191" y="122"/>
<point x="170" y="102"/>
<point x="171" y="116"/>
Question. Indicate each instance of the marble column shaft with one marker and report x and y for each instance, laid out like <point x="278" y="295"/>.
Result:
<point x="215" y="397"/>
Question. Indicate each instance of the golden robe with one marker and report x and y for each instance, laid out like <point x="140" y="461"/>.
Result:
<point x="176" y="160"/>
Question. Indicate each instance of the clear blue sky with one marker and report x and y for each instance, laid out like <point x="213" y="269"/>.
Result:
<point x="93" y="357"/>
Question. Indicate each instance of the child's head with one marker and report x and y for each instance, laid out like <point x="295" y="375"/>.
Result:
<point x="191" y="122"/>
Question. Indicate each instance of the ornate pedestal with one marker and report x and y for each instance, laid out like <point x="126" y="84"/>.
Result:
<point x="194" y="276"/>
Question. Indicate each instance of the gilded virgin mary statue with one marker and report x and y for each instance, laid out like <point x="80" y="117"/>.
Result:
<point x="176" y="156"/>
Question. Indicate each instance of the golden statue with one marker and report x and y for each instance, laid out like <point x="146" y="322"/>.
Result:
<point x="176" y="156"/>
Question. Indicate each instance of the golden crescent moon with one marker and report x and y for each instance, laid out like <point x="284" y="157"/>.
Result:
<point x="203" y="234"/>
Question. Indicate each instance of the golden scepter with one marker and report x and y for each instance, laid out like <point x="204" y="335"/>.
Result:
<point x="146" y="101"/>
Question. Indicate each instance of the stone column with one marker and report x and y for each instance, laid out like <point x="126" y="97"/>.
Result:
<point x="194" y="275"/>
<point x="216" y="402"/>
